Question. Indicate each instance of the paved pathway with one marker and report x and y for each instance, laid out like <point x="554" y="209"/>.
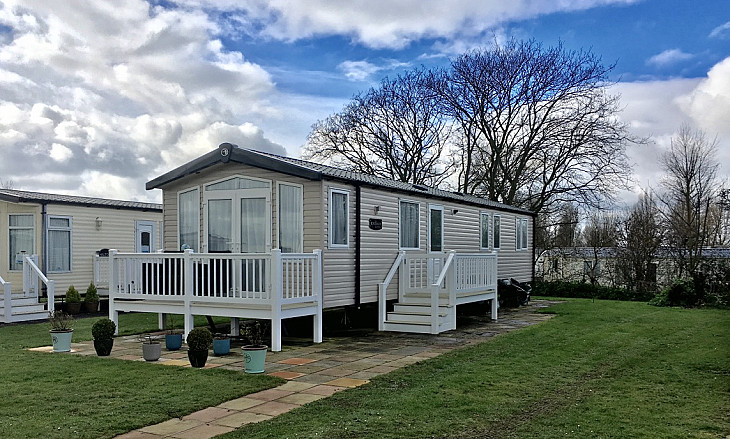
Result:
<point x="313" y="371"/>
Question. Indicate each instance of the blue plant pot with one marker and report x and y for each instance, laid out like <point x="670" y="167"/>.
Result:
<point x="173" y="342"/>
<point x="222" y="346"/>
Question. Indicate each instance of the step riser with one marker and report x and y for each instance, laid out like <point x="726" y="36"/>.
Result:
<point x="413" y="318"/>
<point x="417" y="309"/>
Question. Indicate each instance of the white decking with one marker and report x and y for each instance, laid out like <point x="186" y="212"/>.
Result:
<point x="271" y="286"/>
<point x="25" y="306"/>
<point x="430" y="287"/>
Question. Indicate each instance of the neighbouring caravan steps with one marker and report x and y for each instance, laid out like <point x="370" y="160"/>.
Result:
<point x="23" y="310"/>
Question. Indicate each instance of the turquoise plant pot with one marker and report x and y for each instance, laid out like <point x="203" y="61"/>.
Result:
<point x="61" y="341"/>
<point x="173" y="342"/>
<point x="254" y="358"/>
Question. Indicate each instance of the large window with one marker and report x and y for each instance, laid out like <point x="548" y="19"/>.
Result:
<point x="521" y="233"/>
<point x="290" y="218"/>
<point x="483" y="231"/>
<point x="339" y="229"/>
<point x="408" y="225"/>
<point x="59" y="244"/>
<point x="188" y="219"/>
<point x="21" y="239"/>
<point x="497" y="231"/>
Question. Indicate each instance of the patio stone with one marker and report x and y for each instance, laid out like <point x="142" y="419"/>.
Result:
<point x="205" y="431"/>
<point x="137" y="434"/>
<point x="301" y="398"/>
<point x="347" y="382"/>
<point x="324" y="390"/>
<point x="286" y="374"/>
<point x="171" y="426"/>
<point x="242" y="403"/>
<point x="240" y="419"/>
<point x="297" y="361"/>
<point x="271" y="394"/>
<point x="272" y="408"/>
<point x="209" y="414"/>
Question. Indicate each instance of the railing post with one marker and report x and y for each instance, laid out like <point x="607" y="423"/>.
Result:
<point x="382" y="306"/>
<point x="403" y="273"/>
<point x="8" y="298"/>
<point x="26" y="278"/>
<point x="319" y="291"/>
<point x="113" y="285"/>
<point x="451" y="279"/>
<point x="51" y="289"/>
<point x="188" y="289"/>
<point x="435" y="308"/>
<point x="275" y="295"/>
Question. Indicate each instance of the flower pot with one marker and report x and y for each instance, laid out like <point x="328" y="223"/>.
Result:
<point x="151" y="351"/>
<point x="61" y="340"/>
<point x="173" y="342"/>
<point x="91" y="307"/>
<point x="73" y="307"/>
<point x="198" y="358"/>
<point x="103" y="346"/>
<point x="221" y="346"/>
<point x="254" y="358"/>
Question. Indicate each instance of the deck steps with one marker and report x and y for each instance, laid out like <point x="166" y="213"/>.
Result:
<point x="413" y="314"/>
<point x="23" y="309"/>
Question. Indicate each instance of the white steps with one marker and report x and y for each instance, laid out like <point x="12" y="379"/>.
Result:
<point x="23" y="309"/>
<point x="413" y="314"/>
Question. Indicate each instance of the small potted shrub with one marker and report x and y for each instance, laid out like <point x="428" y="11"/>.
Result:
<point x="254" y="354"/>
<point x="173" y="340"/>
<point x="73" y="300"/>
<point x="103" y="332"/>
<point x="151" y="347"/>
<point x="91" y="300"/>
<point x="61" y="330"/>
<point x="221" y="345"/>
<point x="199" y="340"/>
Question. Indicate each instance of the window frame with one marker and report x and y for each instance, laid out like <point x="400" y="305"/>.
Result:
<point x="279" y="184"/>
<point x="400" y="225"/>
<point x="197" y="218"/>
<point x="496" y="231"/>
<point x="484" y="219"/>
<point x="68" y="229"/>
<point x="521" y="234"/>
<point x="330" y="243"/>
<point x="11" y="258"/>
<point x="440" y="208"/>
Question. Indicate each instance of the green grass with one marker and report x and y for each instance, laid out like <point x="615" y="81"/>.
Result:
<point x="62" y="395"/>
<point x="603" y="369"/>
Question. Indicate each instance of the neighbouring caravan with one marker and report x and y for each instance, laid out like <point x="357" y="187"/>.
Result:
<point x="64" y="233"/>
<point x="249" y="234"/>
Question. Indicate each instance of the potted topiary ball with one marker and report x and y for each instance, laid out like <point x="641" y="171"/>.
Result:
<point x="199" y="341"/>
<point x="73" y="300"/>
<point x="91" y="300"/>
<point x="103" y="332"/>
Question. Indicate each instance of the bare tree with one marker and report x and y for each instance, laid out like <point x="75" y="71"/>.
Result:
<point x="394" y="131"/>
<point x="600" y="235"/>
<point x="640" y="238"/>
<point x="7" y="184"/>
<point x="691" y="189"/>
<point x="538" y="128"/>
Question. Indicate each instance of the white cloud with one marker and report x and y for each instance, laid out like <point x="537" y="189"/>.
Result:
<point x="721" y="31"/>
<point x="668" y="57"/>
<point x="364" y="70"/>
<point x="385" y="23"/>
<point x="118" y="90"/>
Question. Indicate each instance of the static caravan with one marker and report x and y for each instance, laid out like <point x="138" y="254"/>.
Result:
<point x="249" y="234"/>
<point x="61" y="234"/>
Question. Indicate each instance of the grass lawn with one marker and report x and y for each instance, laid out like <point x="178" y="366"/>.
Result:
<point x="62" y="395"/>
<point x="603" y="369"/>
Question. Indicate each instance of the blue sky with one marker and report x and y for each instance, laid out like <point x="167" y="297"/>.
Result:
<point x="97" y="98"/>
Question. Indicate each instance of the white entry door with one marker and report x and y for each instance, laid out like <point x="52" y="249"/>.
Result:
<point x="144" y="236"/>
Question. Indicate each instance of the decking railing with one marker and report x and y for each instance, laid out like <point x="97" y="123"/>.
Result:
<point x="7" y="300"/>
<point x="32" y="279"/>
<point x="271" y="281"/>
<point x="101" y="271"/>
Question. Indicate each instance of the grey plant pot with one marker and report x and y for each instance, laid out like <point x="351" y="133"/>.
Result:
<point x="151" y="351"/>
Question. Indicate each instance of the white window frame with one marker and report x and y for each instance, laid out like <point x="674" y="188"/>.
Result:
<point x="400" y="226"/>
<point x="11" y="258"/>
<point x="521" y="240"/>
<point x="440" y="208"/>
<point x="484" y="219"/>
<point x="68" y="229"/>
<point x="197" y="217"/>
<point x="301" y="212"/>
<point x="496" y="231"/>
<point x="331" y="244"/>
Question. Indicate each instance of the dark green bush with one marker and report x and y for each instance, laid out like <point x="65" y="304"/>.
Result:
<point x="72" y="295"/>
<point x="681" y="292"/>
<point x="92" y="294"/>
<point x="588" y="291"/>
<point x="199" y="339"/>
<point x="103" y="329"/>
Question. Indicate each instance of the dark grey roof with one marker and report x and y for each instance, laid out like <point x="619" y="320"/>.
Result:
<point x="227" y="152"/>
<point x="17" y="196"/>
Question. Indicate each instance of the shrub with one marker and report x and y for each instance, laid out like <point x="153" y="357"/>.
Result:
<point x="91" y="294"/>
<point x="60" y="321"/>
<point x="255" y="333"/>
<point x="72" y="295"/>
<point x="199" y="339"/>
<point x="681" y="292"/>
<point x="588" y="291"/>
<point x="103" y="329"/>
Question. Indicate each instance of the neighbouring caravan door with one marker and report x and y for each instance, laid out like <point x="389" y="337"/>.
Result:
<point x="145" y="236"/>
